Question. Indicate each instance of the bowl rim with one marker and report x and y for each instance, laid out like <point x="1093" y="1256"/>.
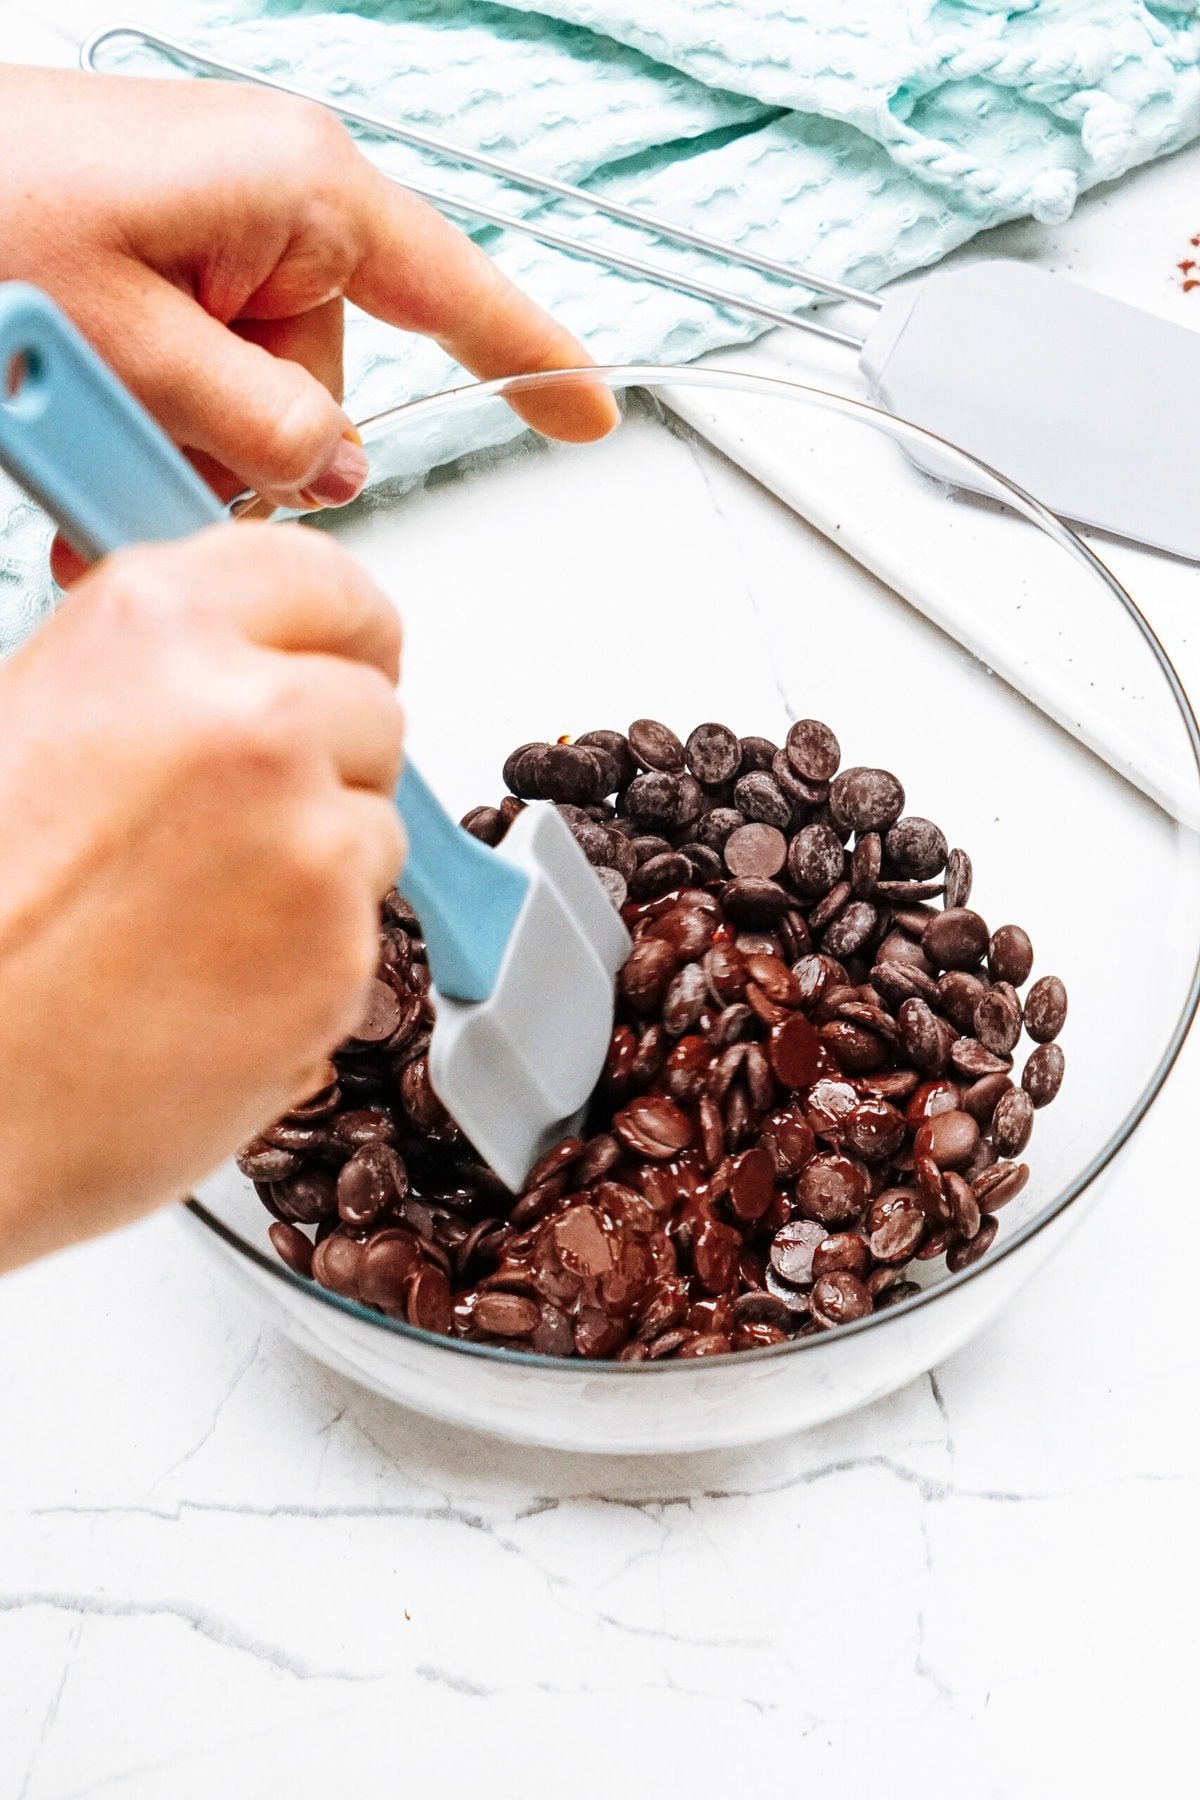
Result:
<point x="642" y="376"/>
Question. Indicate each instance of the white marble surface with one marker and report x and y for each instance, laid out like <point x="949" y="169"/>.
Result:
<point x="223" y="1569"/>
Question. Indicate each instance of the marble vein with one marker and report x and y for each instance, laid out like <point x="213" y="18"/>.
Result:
<point x="929" y="1486"/>
<point x="208" y="1624"/>
<point x="475" y="1690"/>
<point x="51" y="1712"/>
<point x="244" y="1364"/>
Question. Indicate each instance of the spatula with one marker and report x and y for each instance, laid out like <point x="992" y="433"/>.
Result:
<point x="523" y="942"/>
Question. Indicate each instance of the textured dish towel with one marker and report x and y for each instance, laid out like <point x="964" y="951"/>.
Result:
<point x="864" y="137"/>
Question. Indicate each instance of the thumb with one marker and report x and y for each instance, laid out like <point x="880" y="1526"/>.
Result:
<point x="67" y="566"/>
<point x="263" y="417"/>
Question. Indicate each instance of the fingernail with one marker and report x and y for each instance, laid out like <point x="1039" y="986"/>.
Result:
<point x="343" y="478"/>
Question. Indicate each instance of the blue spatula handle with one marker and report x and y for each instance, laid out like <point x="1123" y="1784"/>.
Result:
<point x="84" y="448"/>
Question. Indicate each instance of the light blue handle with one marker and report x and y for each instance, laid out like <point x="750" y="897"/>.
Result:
<point x="85" y="449"/>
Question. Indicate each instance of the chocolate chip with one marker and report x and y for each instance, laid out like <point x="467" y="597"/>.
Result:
<point x="1012" y="1121"/>
<point x="896" y="1222"/>
<point x="919" y="1036"/>
<point x="949" y="1138"/>
<point x="916" y="847"/>
<point x="755" y="850"/>
<point x="839" y="1298"/>
<point x="512" y="764"/>
<point x="507" y="1315"/>
<point x="428" y="1306"/>
<point x="983" y="1096"/>
<point x="761" y="799"/>
<point x="653" y="1126"/>
<point x="684" y="1000"/>
<point x="793" y="1249"/>
<point x="841" y="1250"/>
<point x="307" y="1198"/>
<point x="616" y="746"/>
<point x="1045" y="1009"/>
<point x="262" y="1161"/>
<point x="833" y="1189"/>
<point x="713" y="828"/>
<point x="958" y="994"/>
<point x="381" y="1014"/>
<point x="655" y="800"/>
<point x="614" y="885"/>
<point x="757" y="753"/>
<point x="371" y="1181"/>
<point x="389" y="1261"/>
<point x="865" y="864"/>
<point x="713" y="754"/>
<point x="905" y="893"/>
<point x="996" y="1186"/>
<point x="655" y="746"/>
<point x="813" y="750"/>
<point x="1010" y="955"/>
<point x="659" y="875"/>
<point x="894" y="1293"/>
<point x="751" y="900"/>
<point x="998" y="1019"/>
<point x="486" y="824"/>
<point x="1043" y="1073"/>
<point x="794" y="1049"/>
<point x="336" y="1263"/>
<point x="751" y="1185"/>
<point x="826" y="910"/>
<point x="955" y="939"/>
<point x="962" y="1254"/>
<point x="866" y="799"/>
<point x="563" y="772"/>
<point x="803" y="794"/>
<point x="849" y="931"/>
<point x="292" y="1248"/>
<point x="759" y="1307"/>
<point x="705" y="863"/>
<point x="958" y="879"/>
<point x="816" y="859"/>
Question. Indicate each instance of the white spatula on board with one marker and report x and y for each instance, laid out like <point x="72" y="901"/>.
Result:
<point x="523" y="941"/>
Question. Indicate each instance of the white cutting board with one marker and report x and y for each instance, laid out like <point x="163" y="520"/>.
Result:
<point x="985" y="586"/>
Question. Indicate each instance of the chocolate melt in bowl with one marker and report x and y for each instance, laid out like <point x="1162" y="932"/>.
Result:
<point x="811" y="1085"/>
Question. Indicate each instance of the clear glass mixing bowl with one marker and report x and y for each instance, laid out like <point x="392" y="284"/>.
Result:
<point x="552" y="589"/>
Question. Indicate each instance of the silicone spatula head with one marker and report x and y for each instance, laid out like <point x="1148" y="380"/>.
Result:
<point x="1086" y="402"/>
<point x="514" y="1069"/>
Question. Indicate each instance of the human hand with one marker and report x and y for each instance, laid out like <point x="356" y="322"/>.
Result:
<point x="195" y="831"/>
<point x="203" y="236"/>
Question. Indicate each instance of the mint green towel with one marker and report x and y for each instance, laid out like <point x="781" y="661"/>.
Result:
<point x="866" y="137"/>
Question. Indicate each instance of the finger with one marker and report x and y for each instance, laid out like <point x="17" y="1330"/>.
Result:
<point x="314" y="339"/>
<point x="263" y="417"/>
<point x="378" y="836"/>
<point x="421" y="273"/>
<point x="352" y="712"/>
<point x="67" y="565"/>
<point x="286" y="587"/>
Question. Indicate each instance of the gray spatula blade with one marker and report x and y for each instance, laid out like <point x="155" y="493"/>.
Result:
<point x="1090" y="404"/>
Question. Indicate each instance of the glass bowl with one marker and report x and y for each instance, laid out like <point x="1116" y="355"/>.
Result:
<point x="551" y="589"/>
